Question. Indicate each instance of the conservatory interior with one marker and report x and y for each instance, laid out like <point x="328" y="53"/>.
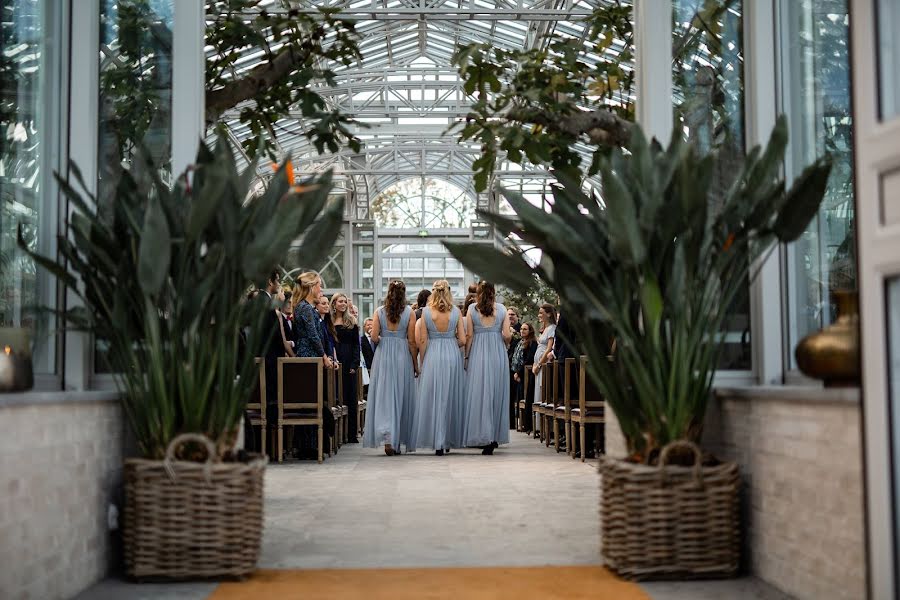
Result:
<point x="706" y="191"/>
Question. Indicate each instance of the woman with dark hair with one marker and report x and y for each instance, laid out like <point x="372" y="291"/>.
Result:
<point x="390" y="416"/>
<point x="524" y="356"/>
<point x="487" y="364"/>
<point x="422" y="302"/>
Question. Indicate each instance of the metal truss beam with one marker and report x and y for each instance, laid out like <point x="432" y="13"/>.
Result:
<point x="444" y="13"/>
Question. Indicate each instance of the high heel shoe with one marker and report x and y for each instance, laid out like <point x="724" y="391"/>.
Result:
<point x="488" y="450"/>
<point x="438" y="452"/>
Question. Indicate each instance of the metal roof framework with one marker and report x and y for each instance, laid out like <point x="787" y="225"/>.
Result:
<point x="407" y="94"/>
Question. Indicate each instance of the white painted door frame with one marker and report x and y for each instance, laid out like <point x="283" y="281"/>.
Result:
<point x="877" y="155"/>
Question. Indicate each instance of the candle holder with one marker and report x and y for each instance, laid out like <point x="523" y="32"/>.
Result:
<point x="16" y="374"/>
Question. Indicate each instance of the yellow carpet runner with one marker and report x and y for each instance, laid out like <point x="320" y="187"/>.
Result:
<point x="513" y="583"/>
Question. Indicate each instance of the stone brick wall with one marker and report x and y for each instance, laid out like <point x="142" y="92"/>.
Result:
<point x="59" y="465"/>
<point x="800" y="456"/>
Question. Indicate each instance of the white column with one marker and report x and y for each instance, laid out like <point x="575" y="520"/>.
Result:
<point x="653" y="67"/>
<point x="188" y="82"/>
<point x="84" y="114"/>
<point x="760" y="109"/>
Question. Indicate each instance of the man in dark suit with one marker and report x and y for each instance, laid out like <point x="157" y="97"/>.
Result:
<point x="567" y="346"/>
<point x="367" y="345"/>
<point x="274" y="347"/>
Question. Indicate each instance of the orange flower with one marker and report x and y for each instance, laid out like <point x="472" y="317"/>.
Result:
<point x="728" y="242"/>
<point x="290" y="171"/>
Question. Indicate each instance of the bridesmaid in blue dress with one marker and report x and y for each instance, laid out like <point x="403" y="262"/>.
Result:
<point x="391" y="416"/>
<point x="487" y="364"/>
<point x="441" y="406"/>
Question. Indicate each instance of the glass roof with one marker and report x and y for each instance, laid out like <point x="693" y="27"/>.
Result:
<point x="406" y="92"/>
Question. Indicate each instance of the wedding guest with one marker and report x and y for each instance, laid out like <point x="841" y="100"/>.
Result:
<point x="390" y="416"/>
<point x="326" y="329"/>
<point x="348" y="352"/>
<point x="514" y="325"/>
<point x="440" y="410"/>
<point x="308" y="339"/>
<point x="487" y="372"/>
<point x="547" y="317"/>
<point x="368" y="346"/>
<point x="522" y="358"/>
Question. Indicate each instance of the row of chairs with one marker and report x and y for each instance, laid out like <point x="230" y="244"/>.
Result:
<point x="588" y="408"/>
<point x="305" y="390"/>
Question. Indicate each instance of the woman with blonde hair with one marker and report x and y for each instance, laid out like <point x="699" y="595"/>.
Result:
<point x="308" y="342"/>
<point x="391" y="416"/>
<point x="487" y="368"/>
<point x="348" y="351"/>
<point x="440" y="410"/>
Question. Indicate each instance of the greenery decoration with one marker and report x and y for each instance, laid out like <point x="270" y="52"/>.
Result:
<point x="292" y="50"/>
<point x="161" y="275"/>
<point x="654" y="264"/>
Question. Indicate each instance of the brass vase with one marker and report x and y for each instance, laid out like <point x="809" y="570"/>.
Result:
<point x="832" y="354"/>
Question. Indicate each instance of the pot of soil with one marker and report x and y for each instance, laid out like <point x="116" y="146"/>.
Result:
<point x="670" y="521"/>
<point x="193" y="520"/>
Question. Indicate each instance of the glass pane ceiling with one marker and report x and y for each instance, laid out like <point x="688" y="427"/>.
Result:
<point x="407" y="92"/>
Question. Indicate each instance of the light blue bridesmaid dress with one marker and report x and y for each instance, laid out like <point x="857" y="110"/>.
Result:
<point x="390" y="416"/>
<point x="487" y="383"/>
<point x="441" y="409"/>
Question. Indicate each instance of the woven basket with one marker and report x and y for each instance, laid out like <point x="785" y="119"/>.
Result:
<point x="189" y="520"/>
<point x="665" y="522"/>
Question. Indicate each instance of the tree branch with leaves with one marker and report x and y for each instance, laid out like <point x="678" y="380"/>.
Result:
<point x="536" y="104"/>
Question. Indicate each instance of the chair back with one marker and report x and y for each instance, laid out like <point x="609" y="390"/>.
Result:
<point x="300" y="380"/>
<point x="359" y="386"/>
<point x="555" y="374"/>
<point x="589" y="395"/>
<point x="526" y="382"/>
<point x="257" y="400"/>
<point x="339" y="379"/>
<point x="569" y="372"/>
<point x="330" y="388"/>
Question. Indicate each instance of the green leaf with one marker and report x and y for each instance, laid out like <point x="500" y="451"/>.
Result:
<point x="493" y="264"/>
<point x="318" y="243"/>
<point x="802" y="201"/>
<point x="155" y="249"/>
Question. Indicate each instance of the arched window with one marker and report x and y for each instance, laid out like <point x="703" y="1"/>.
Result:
<point x="423" y="203"/>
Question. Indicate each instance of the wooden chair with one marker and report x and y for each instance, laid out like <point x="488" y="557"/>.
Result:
<point x="523" y="400"/>
<point x="342" y="403"/>
<point x="360" y="405"/>
<point x="332" y="379"/>
<point x="590" y="411"/>
<point x="563" y="410"/>
<point x="256" y="406"/>
<point x="536" y="403"/>
<point x="551" y="402"/>
<point x="544" y="409"/>
<point x="304" y="381"/>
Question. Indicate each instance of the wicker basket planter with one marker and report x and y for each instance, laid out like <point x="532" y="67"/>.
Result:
<point x="669" y="522"/>
<point x="189" y="520"/>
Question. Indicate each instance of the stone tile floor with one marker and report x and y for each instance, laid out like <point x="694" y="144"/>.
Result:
<point x="525" y="505"/>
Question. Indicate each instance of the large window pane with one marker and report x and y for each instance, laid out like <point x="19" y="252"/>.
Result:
<point x="29" y="128"/>
<point x="816" y="87"/>
<point x="708" y="91"/>
<point x="135" y="93"/>
<point x="889" y="58"/>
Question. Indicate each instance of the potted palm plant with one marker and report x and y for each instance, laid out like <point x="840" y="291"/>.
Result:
<point x="654" y="265"/>
<point x="161" y="274"/>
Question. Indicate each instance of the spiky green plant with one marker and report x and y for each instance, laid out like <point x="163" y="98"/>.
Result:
<point x="654" y="265"/>
<point x="161" y="275"/>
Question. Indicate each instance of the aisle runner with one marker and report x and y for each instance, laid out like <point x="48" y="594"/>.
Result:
<point x="518" y="583"/>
